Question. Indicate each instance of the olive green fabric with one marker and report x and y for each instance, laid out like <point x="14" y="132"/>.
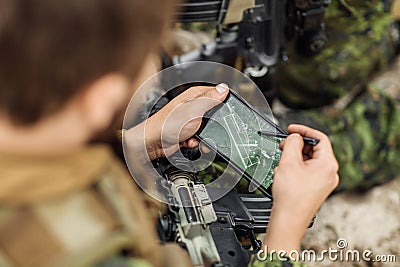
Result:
<point x="333" y="92"/>
<point x="365" y="138"/>
<point x="76" y="209"/>
<point x="359" y="45"/>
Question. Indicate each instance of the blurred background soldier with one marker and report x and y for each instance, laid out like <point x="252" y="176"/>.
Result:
<point x="334" y="92"/>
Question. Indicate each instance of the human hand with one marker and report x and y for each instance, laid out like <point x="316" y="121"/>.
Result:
<point x="305" y="177"/>
<point x="176" y="123"/>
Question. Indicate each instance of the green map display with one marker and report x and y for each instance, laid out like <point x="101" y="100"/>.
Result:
<point x="232" y="131"/>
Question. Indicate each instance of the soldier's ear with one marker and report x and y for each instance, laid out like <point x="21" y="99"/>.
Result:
<point x="101" y="99"/>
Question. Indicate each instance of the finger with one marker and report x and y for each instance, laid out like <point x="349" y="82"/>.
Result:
<point x="196" y="107"/>
<point x="218" y="93"/>
<point x="282" y="144"/>
<point x="307" y="147"/>
<point x="323" y="148"/>
<point x="306" y="131"/>
<point x="202" y="91"/>
<point x="204" y="148"/>
<point x="192" y="143"/>
<point x="189" y="94"/>
<point x="184" y="143"/>
<point x="307" y="150"/>
<point x="293" y="149"/>
<point x="186" y="116"/>
<point x="192" y="92"/>
<point x="336" y="181"/>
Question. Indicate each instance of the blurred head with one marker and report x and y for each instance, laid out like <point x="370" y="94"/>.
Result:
<point x="54" y="52"/>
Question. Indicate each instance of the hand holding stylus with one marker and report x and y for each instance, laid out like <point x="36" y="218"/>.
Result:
<point x="301" y="185"/>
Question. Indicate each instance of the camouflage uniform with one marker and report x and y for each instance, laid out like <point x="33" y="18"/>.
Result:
<point x="334" y="94"/>
<point x="76" y="209"/>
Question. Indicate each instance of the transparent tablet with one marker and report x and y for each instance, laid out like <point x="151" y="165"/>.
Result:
<point x="231" y="130"/>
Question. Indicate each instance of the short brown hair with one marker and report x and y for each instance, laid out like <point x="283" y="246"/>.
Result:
<point x="50" y="49"/>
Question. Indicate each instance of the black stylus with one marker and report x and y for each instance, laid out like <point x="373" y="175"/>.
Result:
<point x="307" y="140"/>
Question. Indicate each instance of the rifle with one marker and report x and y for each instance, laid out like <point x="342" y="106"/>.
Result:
<point x="220" y="233"/>
<point x="255" y="33"/>
<point x="257" y="30"/>
<point x="216" y="234"/>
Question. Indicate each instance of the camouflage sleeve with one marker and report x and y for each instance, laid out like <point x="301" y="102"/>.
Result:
<point x="272" y="260"/>
<point x="361" y="42"/>
<point x="364" y="136"/>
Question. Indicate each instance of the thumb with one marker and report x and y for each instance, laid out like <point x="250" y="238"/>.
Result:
<point x="292" y="149"/>
<point x="215" y="95"/>
<point x="197" y="106"/>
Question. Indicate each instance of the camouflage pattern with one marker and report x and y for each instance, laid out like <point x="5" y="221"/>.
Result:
<point x="76" y="209"/>
<point x="365" y="138"/>
<point x="335" y="91"/>
<point x="359" y="45"/>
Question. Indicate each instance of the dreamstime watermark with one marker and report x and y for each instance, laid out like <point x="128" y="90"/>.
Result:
<point x="340" y="253"/>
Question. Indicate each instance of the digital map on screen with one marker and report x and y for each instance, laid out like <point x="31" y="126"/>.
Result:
<point x="233" y="131"/>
